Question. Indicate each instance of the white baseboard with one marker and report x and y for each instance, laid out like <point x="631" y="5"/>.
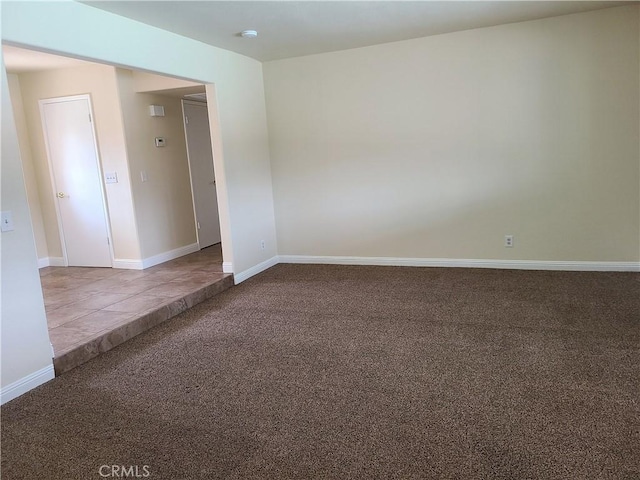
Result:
<point x="127" y="264"/>
<point x="466" y="263"/>
<point x="31" y="381"/>
<point x="227" y="267"/>
<point x="170" y="255"/>
<point x="50" y="262"/>
<point x="250" y="272"/>
<point x="130" y="264"/>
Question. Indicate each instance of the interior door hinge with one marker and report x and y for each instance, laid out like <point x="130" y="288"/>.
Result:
<point x="108" y="243"/>
<point x="89" y="118"/>
<point x="186" y="120"/>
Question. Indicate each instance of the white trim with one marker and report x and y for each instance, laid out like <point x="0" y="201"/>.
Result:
<point x="466" y="263"/>
<point x="57" y="262"/>
<point x="51" y="262"/>
<point x="193" y="193"/>
<point x="107" y="220"/>
<point x="256" y="269"/>
<point x="131" y="264"/>
<point x="184" y="102"/>
<point x="127" y="264"/>
<point x="170" y="255"/>
<point x="22" y="386"/>
<point x="227" y="267"/>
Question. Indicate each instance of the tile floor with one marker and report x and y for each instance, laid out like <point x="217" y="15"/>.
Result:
<point x="85" y="305"/>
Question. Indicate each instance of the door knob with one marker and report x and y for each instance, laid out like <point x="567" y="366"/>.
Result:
<point x="61" y="195"/>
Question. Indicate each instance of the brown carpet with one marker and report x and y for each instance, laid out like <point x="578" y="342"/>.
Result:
<point x="357" y="372"/>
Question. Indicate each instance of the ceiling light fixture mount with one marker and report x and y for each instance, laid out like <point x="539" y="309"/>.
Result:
<point x="249" y="34"/>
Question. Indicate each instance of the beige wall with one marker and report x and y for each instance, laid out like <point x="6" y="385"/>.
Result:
<point x="241" y="152"/>
<point x="237" y="102"/>
<point x="100" y="82"/>
<point x="25" y="348"/>
<point x="30" y="174"/>
<point x="241" y="156"/>
<point x="145" y="82"/>
<point x="147" y="218"/>
<point x="164" y="205"/>
<point x="438" y="147"/>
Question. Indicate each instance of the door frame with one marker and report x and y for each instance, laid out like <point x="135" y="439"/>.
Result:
<point x="183" y="102"/>
<point x="71" y="98"/>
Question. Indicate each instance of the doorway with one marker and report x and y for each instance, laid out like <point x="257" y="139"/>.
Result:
<point x="201" y="171"/>
<point x="76" y="180"/>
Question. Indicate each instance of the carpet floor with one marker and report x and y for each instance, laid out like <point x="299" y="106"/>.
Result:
<point x="342" y="372"/>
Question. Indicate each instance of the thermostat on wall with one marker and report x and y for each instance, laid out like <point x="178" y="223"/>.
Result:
<point x="156" y="110"/>
<point x="159" y="141"/>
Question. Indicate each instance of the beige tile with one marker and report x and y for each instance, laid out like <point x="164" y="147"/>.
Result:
<point x="61" y="341"/>
<point x="51" y="281"/>
<point x="63" y="315"/>
<point x="90" y="310"/>
<point x="133" y="287"/>
<point x="99" y="300"/>
<point x="199" y="276"/>
<point x="63" y="338"/>
<point x="103" y="285"/>
<point x="130" y="275"/>
<point x="61" y="296"/>
<point x="164" y="276"/>
<point x="165" y="268"/>
<point x="170" y="290"/>
<point x="209" y="268"/>
<point x="62" y="271"/>
<point x="71" y="356"/>
<point x="95" y="273"/>
<point x="45" y="271"/>
<point x="97" y="321"/>
<point x="136" y="304"/>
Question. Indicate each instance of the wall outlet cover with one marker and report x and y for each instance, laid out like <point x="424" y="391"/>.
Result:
<point x="6" y="219"/>
<point x="111" y="177"/>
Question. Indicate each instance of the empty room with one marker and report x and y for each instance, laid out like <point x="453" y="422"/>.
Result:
<point x="431" y="215"/>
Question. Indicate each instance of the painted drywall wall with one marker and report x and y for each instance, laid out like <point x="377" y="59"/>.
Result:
<point x="26" y="349"/>
<point x="236" y="107"/>
<point x="148" y="82"/>
<point x="164" y="206"/>
<point x="438" y="147"/>
<point x="100" y="82"/>
<point x="30" y="176"/>
<point x="241" y="156"/>
<point x="241" y="151"/>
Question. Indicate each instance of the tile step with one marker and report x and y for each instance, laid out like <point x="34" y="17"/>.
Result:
<point x="106" y="340"/>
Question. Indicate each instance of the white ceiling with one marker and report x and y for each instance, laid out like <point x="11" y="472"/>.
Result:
<point x="296" y="28"/>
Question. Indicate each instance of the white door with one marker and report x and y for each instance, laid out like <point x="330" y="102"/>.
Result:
<point x="203" y="183"/>
<point x="77" y="181"/>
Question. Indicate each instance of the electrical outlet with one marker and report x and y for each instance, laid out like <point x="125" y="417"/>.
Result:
<point x="111" y="177"/>
<point x="262" y="245"/>
<point x="7" y="221"/>
<point x="508" y="241"/>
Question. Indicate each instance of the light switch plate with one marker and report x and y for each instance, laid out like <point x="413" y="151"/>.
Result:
<point x="111" y="177"/>
<point x="6" y="219"/>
